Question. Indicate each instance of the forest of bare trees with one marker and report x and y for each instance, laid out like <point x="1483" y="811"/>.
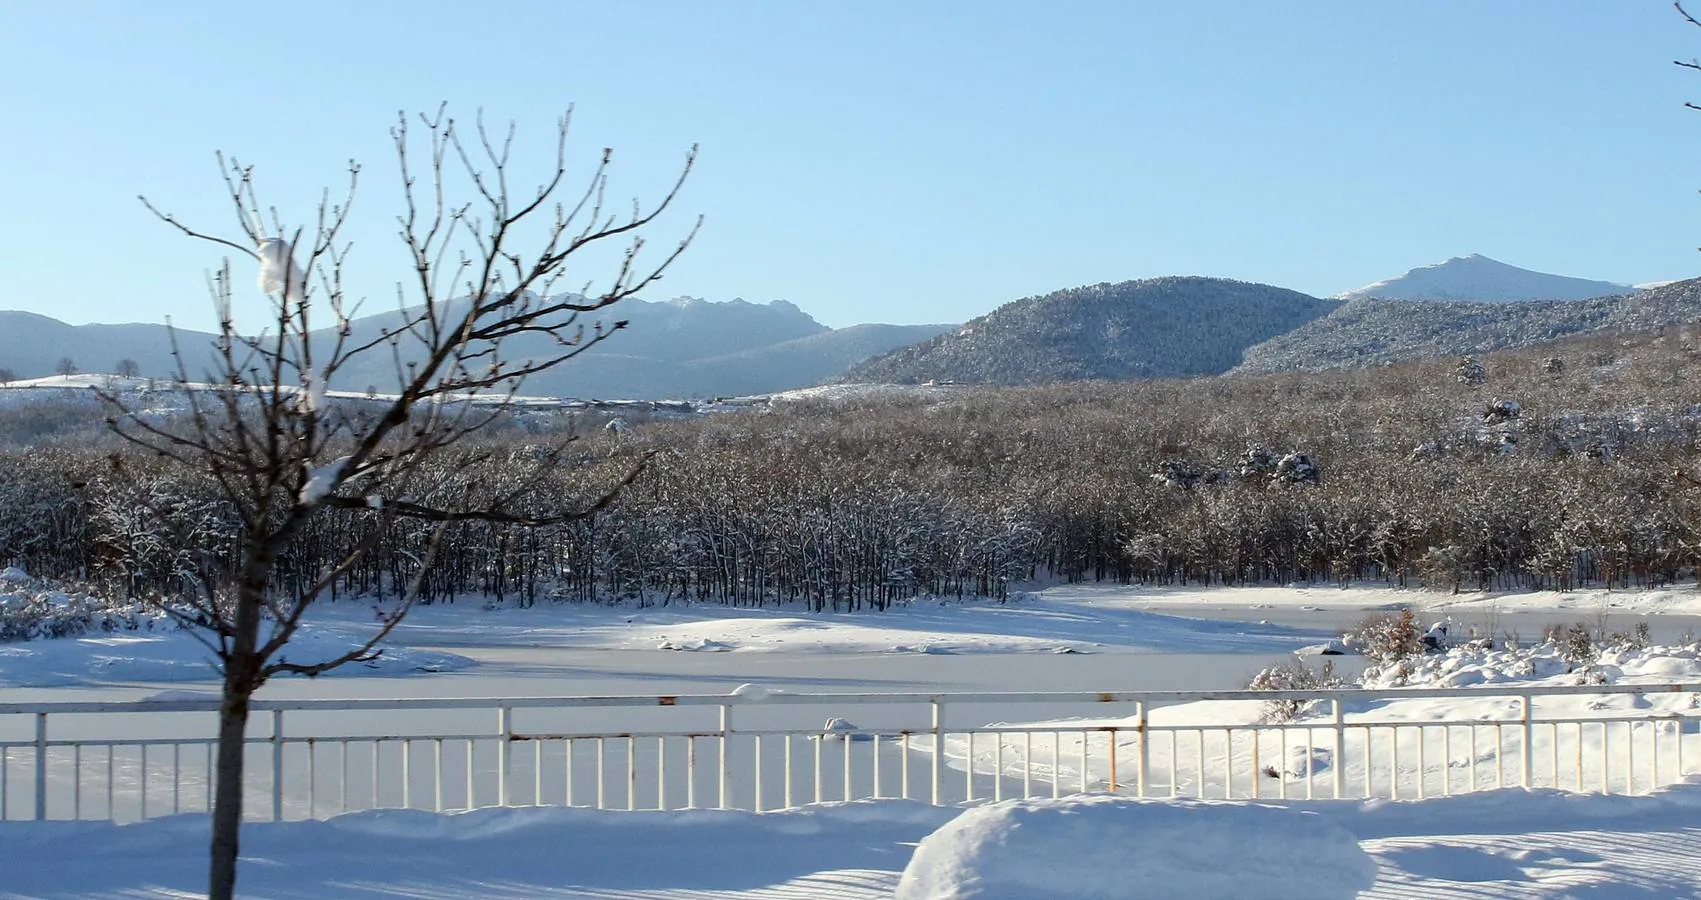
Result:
<point x="1555" y="468"/>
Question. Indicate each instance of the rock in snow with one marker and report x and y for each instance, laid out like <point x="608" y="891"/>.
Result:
<point x="1120" y="849"/>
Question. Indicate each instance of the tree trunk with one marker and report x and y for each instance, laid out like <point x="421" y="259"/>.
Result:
<point x="242" y="668"/>
<point x="227" y="802"/>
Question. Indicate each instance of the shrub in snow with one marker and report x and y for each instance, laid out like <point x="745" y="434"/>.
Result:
<point x="1093" y="847"/>
<point x="1179" y="473"/>
<point x="1257" y="463"/>
<point x="1292" y="676"/>
<point x="1470" y="371"/>
<point x="1499" y="412"/>
<point x="1387" y="638"/>
<point x="1297" y="468"/>
<point x="29" y="612"/>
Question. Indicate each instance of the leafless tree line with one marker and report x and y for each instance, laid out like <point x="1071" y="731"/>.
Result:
<point x="1428" y="479"/>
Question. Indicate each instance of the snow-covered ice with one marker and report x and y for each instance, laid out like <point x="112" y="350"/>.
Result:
<point x="170" y="654"/>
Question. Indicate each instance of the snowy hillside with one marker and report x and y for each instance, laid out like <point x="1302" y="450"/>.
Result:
<point x="1476" y="277"/>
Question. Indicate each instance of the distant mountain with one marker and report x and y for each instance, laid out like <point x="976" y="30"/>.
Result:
<point x="1476" y="277"/>
<point x="1153" y="328"/>
<point x="670" y="349"/>
<point x="1373" y="331"/>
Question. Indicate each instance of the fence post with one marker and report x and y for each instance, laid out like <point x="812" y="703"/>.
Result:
<point x="1338" y="763"/>
<point x="939" y="747"/>
<point x="277" y="765"/>
<point x="1145" y="751"/>
<point x="1527" y="752"/>
<point x="720" y="764"/>
<point x="40" y="766"/>
<point x="504" y="755"/>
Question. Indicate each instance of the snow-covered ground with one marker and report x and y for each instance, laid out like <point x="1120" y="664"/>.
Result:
<point x="1510" y="843"/>
<point x="1503" y="844"/>
<point x="1030" y="624"/>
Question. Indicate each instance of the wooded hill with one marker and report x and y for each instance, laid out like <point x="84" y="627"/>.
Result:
<point x="1153" y="328"/>
<point x="1545" y="467"/>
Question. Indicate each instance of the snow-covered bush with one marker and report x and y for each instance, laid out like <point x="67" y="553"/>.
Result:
<point x="1292" y="676"/>
<point x="1388" y="638"/>
<point x="1297" y="468"/>
<point x="30" y="611"/>
<point x="1470" y="371"/>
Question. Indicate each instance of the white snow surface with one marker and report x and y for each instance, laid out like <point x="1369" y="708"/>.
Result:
<point x="1113" y="848"/>
<point x="170" y="654"/>
<point x="1476" y="277"/>
<point x="1512" y="844"/>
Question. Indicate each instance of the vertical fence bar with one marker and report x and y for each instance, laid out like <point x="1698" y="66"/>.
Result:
<point x="721" y="767"/>
<point x="998" y="768"/>
<point x="939" y="748"/>
<point x="471" y="791"/>
<point x="757" y="774"/>
<point x="1630" y="757"/>
<point x="877" y="791"/>
<point x="846" y="740"/>
<point x="1084" y="739"/>
<point x="1027" y="764"/>
<point x="661" y="772"/>
<point x="537" y="773"/>
<point x="601" y="776"/>
<point x="504" y="755"/>
<point x="1528" y="750"/>
<point x="277" y="769"/>
<point x="1143" y="770"/>
<point x="789" y="770"/>
<point x="602" y="790"/>
<point x="691" y="772"/>
<point x="312" y="782"/>
<point x="1338" y="748"/>
<point x="1056" y="765"/>
<point x="1606" y="760"/>
<point x="407" y="773"/>
<point x="969" y="764"/>
<point x="631" y="773"/>
<point x="437" y="775"/>
<point x="903" y="771"/>
<point x="567" y="769"/>
<point x="40" y="766"/>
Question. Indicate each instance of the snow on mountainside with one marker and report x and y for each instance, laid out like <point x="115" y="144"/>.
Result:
<point x="1476" y="277"/>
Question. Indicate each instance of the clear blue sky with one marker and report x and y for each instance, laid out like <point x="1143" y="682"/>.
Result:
<point x="903" y="161"/>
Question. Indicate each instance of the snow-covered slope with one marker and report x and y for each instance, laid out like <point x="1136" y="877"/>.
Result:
<point x="1476" y="277"/>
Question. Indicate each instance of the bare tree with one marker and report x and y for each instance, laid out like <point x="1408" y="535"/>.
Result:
<point x="66" y="366"/>
<point x="482" y="271"/>
<point x="7" y="375"/>
<point x="127" y="368"/>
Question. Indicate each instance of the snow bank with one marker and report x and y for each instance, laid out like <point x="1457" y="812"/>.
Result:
<point x="1101" y="846"/>
<point x="1546" y="662"/>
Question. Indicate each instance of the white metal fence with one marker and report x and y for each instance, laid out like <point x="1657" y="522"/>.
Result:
<point x="310" y="758"/>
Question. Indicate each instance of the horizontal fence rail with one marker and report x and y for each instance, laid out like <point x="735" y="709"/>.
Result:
<point x="126" y="761"/>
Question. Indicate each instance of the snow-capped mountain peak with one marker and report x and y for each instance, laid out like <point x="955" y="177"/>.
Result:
<point x="1477" y="277"/>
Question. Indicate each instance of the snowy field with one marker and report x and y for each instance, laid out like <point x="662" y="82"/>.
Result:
<point x="1508" y="843"/>
<point x="1503" y="844"/>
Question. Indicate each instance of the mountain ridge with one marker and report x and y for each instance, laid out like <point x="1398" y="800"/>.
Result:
<point x="1478" y="278"/>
